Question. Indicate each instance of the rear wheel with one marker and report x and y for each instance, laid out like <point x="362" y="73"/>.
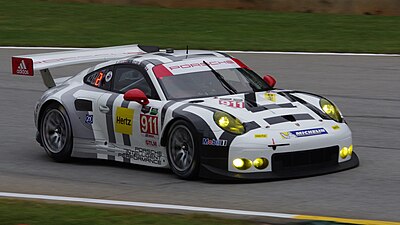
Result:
<point x="182" y="150"/>
<point x="56" y="133"/>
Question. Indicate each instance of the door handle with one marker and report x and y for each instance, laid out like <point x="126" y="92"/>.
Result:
<point x="104" y="109"/>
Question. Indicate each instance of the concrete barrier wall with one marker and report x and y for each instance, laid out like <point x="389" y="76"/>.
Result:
<point x="366" y="7"/>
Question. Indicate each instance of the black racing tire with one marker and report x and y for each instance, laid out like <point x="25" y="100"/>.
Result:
<point x="56" y="133"/>
<point x="183" y="150"/>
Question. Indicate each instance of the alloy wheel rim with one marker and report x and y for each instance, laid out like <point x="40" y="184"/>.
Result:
<point x="181" y="148"/>
<point x="55" y="131"/>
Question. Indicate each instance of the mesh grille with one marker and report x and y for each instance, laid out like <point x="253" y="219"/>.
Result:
<point x="322" y="157"/>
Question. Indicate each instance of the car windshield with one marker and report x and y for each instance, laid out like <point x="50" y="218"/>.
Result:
<point x="209" y="84"/>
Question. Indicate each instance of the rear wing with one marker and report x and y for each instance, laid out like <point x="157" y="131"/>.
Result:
<point x="26" y="65"/>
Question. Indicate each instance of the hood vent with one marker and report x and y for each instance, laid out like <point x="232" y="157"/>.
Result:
<point x="270" y="106"/>
<point x="288" y="118"/>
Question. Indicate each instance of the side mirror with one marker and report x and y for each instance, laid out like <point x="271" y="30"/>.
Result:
<point x="270" y="80"/>
<point x="136" y="95"/>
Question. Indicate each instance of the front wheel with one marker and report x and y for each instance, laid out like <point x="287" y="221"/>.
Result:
<point x="56" y="133"/>
<point x="182" y="150"/>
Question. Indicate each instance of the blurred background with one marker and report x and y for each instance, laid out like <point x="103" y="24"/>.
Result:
<point x="360" y="7"/>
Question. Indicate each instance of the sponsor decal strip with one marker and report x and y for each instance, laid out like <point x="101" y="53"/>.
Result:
<point x="214" y="142"/>
<point x="303" y="133"/>
<point x="309" y="132"/>
<point x="193" y="208"/>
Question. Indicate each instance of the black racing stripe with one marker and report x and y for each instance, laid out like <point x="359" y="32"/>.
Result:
<point x="196" y="120"/>
<point x="278" y="106"/>
<point x="212" y="109"/>
<point x="109" y="118"/>
<point x="144" y="63"/>
<point x="255" y="109"/>
<point x="127" y="140"/>
<point x="224" y="54"/>
<point x="288" y="118"/>
<point x="229" y="137"/>
<point x="126" y="137"/>
<point x="287" y="105"/>
<point x="203" y="131"/>
<point x="154" y="61"/>
<point x="135" y="57"/>
<point x="303" y="117"/>
<point x="250" y="101"/>
<point x="164" y="110"/>
<point x="270" y="106"/>
<point x="287" y="96"/>
<point x="275" y="120"/>
<point x="250" y="126"/>
<point x="311" y="107"/>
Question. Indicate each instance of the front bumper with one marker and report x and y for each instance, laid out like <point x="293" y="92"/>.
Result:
<point x="212" y="172"/>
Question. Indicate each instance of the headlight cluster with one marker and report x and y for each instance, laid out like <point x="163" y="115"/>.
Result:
<point x="244" y="164"/>
<point x="346" y="151"/>
<point x="228" y="122"/>
<point x="331" y="110"/>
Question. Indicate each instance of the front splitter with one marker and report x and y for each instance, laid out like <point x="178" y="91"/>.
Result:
<point x="210" y="172"/>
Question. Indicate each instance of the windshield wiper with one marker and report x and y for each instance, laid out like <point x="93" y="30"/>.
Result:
<point x="221" y="79"/>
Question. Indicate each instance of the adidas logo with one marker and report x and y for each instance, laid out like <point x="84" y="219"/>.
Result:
<point x="22" y="65"/>
<point x="22" y="68"/>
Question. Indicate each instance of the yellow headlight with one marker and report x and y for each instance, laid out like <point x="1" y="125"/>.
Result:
<point x="242" y="163"/>
<point x="260" y="163"/>
<point x="344" y="152"/>
<point x="350" y="150"/>
<point x="238" y="163"/>
<point x="228" y="122"/>
<point x="331" y="110"/>
<point x="223" y="121"/>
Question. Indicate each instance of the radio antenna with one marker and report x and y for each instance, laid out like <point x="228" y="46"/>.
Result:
<point x="187" y="51"/>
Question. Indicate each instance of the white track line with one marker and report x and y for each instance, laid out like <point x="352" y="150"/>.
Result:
<point x="196" y="209"/>
<point x="148" y="205"/>
<point x="238" y="52"/>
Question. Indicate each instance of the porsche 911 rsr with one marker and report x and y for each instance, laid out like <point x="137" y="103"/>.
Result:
<point x="197" y="112"/>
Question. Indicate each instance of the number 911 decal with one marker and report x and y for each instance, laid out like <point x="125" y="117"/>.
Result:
<point x="148" y="124"/>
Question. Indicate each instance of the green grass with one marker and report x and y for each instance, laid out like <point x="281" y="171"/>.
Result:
<point x="13" y="212"/>
<point x="47" y="23"/>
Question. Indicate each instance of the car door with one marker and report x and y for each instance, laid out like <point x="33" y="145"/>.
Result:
<point x="131" y="129"/>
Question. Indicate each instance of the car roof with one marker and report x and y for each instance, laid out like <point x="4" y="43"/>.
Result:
<point x="157" y="58"/>
<point x="162" y="57"/>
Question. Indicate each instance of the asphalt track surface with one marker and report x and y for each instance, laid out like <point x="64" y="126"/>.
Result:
<point x="366" y="88"/>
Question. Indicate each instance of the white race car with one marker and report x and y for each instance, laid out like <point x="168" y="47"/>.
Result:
<point x="197" y="112"/>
